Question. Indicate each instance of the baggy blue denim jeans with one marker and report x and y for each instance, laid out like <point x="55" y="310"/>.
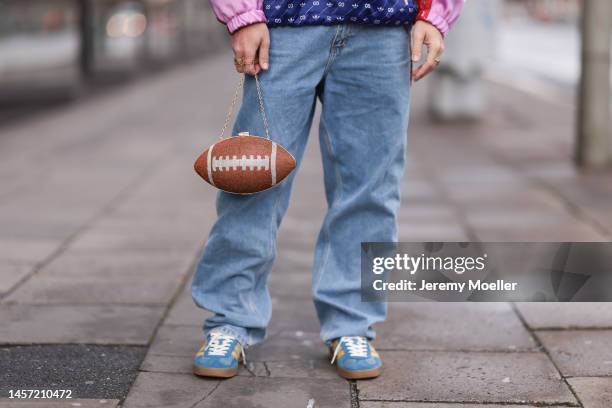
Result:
<point x="361" y="75"/>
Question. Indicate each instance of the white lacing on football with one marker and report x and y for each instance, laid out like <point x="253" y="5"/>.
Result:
<point x="220" y="343"/>
<point x="273" y="163"/>
<point x="244" y="163"/>
<point x="357" y="346"/>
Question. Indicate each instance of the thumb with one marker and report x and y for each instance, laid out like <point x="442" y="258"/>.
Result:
<point x="264" y="53"/>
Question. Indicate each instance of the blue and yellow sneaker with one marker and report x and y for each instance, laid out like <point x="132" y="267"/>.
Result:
<point x="355" y="358"/>
<point x="219" y="356"/>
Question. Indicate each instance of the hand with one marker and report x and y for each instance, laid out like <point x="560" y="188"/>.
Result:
<point x="251" y="45"/>
<point x="426" y="33"/>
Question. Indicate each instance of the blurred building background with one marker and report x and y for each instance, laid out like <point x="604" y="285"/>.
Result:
<point x="556" y="49"/>
<point x="52" y="48"/>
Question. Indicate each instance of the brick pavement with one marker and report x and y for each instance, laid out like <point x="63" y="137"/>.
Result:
<point x="102" y="219"/>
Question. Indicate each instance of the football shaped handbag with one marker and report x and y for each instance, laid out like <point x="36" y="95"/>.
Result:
<point x="245" y="164"/>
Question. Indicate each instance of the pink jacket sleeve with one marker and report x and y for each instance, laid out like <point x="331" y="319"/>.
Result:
<point x="238" y="13"/>
<point x="441" y="13"/>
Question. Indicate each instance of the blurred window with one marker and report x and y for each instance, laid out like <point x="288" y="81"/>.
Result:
<point x="36" y="16"/>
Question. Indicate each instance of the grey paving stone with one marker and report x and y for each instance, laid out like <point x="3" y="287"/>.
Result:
<point x="453" y="326"/>
<point x="255" y="392"/>
<point x="415" y="213"/>
<point x="472" y="174"/>
<point x="419" y="191"/>
<point x="145" y="211"/>
<point x="26" y="250"/>
<point x="295" y="241"/>
<point x="293" y="259"/>
<point x="81" y="291"/>
<point x="181" y="229"/>
<point x="166" y="390"/>
<point x="184" y="312"/>
<point x="384" y="404"/>
<point x="602" y="215"/>
<point x="290" y="282"/>
<point x="183" y="365"/>
<point x="132" y="265"/>
<point x="254" y="368"/>
<point x="55" y="199"/>
<point x="11" y="273"/>
<point x="68" y="403"/>
<point x="293" y="222"/>
<point x="593" y="392"/>
<point x="125" y="238"/>
<point x="291" y="314"/>
<point x="509" y="218"/>
<point x="551" y="315"/>
<point x="575" y="231"/>
<point x="177" y="341"/>
<point x="26" y="324"/>
<point x="467" y="377"/>
<point x="167" y="364"/>
<point x="194" y="200"/>
<point x="440" y="231"/>
<point x="490" y="196"/>
<point x="23" y="224"/>
<point x="580" y="353"/>
<point x="289" y="345"/>
<point x="320" y="368"/>
<point x="109" y="278"/>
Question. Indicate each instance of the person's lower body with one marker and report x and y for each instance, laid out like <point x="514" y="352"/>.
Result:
<point x="361" y="75"/>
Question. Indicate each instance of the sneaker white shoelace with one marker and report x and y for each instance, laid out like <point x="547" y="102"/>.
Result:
<point x="357" y="346"/>
<point x="220" y="343"/>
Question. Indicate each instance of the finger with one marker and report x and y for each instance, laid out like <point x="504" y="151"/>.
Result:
<point x="257" y="66"/>
<point x="434" y="52"/>
<point x="251" y="68"/>
<point x="440" y="51"/>
<point x="423" y="70"/>
<point x="239" y="59"/>
<point x="249" y="62"/>
<point x="264" y="53"/>
<point x="418" y="37"/>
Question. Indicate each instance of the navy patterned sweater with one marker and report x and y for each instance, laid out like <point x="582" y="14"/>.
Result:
<point x="327" y="12"/>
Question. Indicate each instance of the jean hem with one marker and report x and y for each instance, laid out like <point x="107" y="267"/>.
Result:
<point x="328" y="341"/>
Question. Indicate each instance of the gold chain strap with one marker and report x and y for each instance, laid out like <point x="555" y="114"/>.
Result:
<point x="261" y="107"/>
<point x="231" y="109"/>
<point x="235" y="99"/>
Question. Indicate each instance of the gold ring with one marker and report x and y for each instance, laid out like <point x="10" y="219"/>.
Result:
<point x="239" y="61"/>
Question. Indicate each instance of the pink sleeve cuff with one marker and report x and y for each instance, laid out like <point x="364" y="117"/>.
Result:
<point x="441" y="13"/>
<point x="439" y="22"/>
<point x="246" y="18"/>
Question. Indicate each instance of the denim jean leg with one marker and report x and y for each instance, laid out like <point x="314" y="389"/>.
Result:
<point x="362" y="137"/>
<point x="231" y="276"/>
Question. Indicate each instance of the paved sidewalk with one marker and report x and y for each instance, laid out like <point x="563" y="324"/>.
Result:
<point x="102" y="219"/>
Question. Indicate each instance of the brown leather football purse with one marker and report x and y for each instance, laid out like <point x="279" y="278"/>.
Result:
<point x="245" y="164"/>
